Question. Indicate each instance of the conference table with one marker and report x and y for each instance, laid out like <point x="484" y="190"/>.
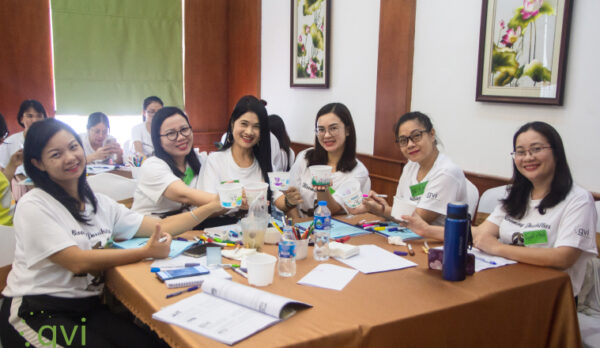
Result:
<point x="517" y="305"/>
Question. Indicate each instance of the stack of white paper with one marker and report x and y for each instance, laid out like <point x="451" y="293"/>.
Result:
<point x="374" y="259"/>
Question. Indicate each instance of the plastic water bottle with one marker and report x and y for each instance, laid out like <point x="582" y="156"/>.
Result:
<point x="456" y="234"/>
<point x="322" y="232"/>
<point x="287" y="254"/>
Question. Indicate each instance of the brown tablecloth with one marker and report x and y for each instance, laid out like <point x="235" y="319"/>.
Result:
<point x="513" y="306"/>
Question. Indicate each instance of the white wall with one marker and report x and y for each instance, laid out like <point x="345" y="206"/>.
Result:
<point x="353" y="61"/>
<point x="478" y="136"/>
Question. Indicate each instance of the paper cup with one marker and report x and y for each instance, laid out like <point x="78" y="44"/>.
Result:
<point x="261" y="268"/>
<point x="321" y="175"/>
<point x="272" y="236"/>
<point x="279" y="180"/>
<point x="350" y="193"/>
<point x="402" y="207"/>
<point x="254" y="190"/>
<point x="230" y="194"/>
<point x="301" y="249"/>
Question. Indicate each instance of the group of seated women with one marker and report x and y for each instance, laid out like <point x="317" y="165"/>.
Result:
<point x="62" y="226"/>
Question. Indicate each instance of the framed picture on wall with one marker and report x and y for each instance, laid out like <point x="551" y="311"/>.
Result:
<point x="309" y="43"/>
<point x="523" y="51"/>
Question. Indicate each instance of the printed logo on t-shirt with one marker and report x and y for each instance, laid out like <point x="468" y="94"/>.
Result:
<point x="582" y="232"/>
<point x="91" y="235"/>
<point x="418" y="189"/>
<point x="517" y="239"/>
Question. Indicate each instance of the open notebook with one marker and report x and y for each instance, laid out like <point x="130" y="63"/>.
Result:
<point x="228" y="312"/>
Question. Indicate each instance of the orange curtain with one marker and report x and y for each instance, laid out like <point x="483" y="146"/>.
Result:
<point x="25" y="57"/>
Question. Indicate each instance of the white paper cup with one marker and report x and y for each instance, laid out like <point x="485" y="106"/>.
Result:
<point x="402" y="207"/>
<point x="230" y="194"/>
<point x="321" y="175"/>
<point x="272" y="236"/>
<point x="279" y="180"/>
<point x="350" y="193"/>
<point x="254" y="189"/>
<point x="261" y="268"/>
<point x="301" y="249"/>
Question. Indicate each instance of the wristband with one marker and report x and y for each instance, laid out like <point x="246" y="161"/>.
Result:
<point x="195" y="217"/>
<point x="288" y="204"/>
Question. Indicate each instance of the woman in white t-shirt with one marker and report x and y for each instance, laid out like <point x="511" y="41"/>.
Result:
<point x="140" y="134"/>
<point x="168" y="181"/>
<point x="99" y="146"/>
<point x="545" y="219"/>
<point x="61" y="229"/>
<point x="287" y="157"/>
<point x="11" y="151"/>
<point x="246" y="154"/>
<point x="429" y="179"/>
<point x="335" y="145"/>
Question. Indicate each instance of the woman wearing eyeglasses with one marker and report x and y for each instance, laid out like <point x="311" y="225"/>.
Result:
<point x="140" y="134"/>
<point x="335" y="146"/>
<point x="98" y="145"/>
<point x="545" y="219"/>
<point x="429" y="179"/>
<point x="168" y="181"/>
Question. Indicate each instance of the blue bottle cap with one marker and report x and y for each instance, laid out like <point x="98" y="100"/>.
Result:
<point x="322" y="203"/>
<point x="457" y="210"/>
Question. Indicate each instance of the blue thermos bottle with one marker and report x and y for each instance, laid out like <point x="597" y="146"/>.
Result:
<point x="456" y="236"/>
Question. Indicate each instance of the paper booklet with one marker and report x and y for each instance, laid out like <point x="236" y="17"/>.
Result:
<point x="197" y="280"/>
<point x="229" y="312"/>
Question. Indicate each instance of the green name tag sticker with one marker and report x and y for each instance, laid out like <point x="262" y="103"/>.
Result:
<point x="418" y="189"/>
<point x="188" y="176"/>
<point x="535" y="237"/>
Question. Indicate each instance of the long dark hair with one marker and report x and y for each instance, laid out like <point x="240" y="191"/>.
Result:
<point x="318" y="155"/>
<point x="37" y="137"/>
<point x="191" y="158"/>
<point x="3" y="128"/>
<point x="262" y="150"/>
<point x="277" y="127"/>
<point x="30" y="103"/>
<point x="515" y="204"/>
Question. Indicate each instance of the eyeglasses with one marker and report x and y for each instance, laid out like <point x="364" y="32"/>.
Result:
<point x="173" y="134"/>
<point x="333" y="130"/>
<point x="532" y="151"/>
<point x="415" y="136"/>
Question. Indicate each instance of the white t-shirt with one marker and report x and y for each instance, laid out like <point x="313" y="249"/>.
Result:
<point x="220" y="167"/>
<point x="301" y="178"/>
<point x="43" y="227"/>
<point x="278" y="161"/>
<point x="11" y="145"/>
<point x="141" y="134"/>
<point x="444" y="183"/>
<point x="154" y="178"/>
<point x="571" y="222"/>
<point x="87" y="146"/>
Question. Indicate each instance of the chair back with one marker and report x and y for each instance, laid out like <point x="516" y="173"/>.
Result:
<point x="472" y="198"/>
<point x="491" y="198"/>
<point x="114" y="186"/>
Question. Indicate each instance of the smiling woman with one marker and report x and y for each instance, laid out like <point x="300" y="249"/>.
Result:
<point x="335" y="146"/>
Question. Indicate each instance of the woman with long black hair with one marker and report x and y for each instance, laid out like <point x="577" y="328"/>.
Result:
<point x="61" y="230"/>
<point x="545" y="219"/>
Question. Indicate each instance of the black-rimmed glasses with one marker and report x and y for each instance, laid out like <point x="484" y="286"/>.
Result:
<point x="532" y="151"/>
<point x="173" y="134"/>
<point x="415" y="137"/>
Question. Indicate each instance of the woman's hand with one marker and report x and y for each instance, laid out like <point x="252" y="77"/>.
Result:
<point x="157" y="249"/>
<point x="16" y="159"/>
<point x="416" y="224"/>
<point x="293" y="196"/>
<point x="376" y="205"/>
<point x="486" y="242"/>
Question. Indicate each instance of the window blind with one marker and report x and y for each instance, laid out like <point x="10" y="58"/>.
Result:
<point x="111" y="54"/>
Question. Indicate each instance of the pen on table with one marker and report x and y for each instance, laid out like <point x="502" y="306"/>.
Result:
<point x="486" y="261"/>
<point x="343" y="239"/>
<point x="277" y="226"/>
<point x="183" y="291"/>
<point x="425" y="250"/>
<point x="181" y="239"/>
<point x="240" y="272"/>
<point x="411" y="252"/>
<point x="401" y="253"/>
<point x="395" y="228"/>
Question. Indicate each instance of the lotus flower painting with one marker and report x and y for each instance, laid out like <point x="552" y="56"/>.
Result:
<point x="524" y="49"/>
<point x="309" y="66"/>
